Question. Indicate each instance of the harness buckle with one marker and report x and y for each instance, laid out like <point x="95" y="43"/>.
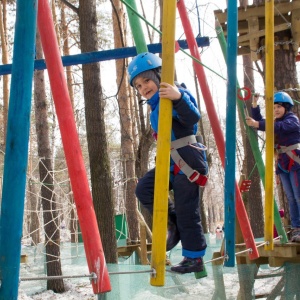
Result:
<point x="198" y="178"/>
<point x="194" y="177"/>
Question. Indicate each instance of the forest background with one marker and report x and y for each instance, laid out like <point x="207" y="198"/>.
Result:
<point x="113" y="124"/>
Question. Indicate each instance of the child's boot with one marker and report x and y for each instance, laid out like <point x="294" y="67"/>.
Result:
<point x="189" y="265"/>
<point x="295" y="235"/>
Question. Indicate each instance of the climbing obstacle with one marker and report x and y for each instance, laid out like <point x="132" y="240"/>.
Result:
<point x="239" y="247"/>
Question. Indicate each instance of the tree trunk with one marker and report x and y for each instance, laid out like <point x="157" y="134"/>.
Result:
<point x="34" y="206"/>
<point x="55" y="22"/>
<point x="101" y="179"/>
<point x="5" y="77"/>
<point x="52" y="232"/>
<point x="253" y="199"/>
<point x="66" y="52"/>
<point x="73" y="226"/>
<point x="125" y="112"/>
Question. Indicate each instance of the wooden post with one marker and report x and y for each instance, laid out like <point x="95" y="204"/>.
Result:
<point x="269" y="179"/>
<point x="162" y="171"/>
<point x="16" y="151"/>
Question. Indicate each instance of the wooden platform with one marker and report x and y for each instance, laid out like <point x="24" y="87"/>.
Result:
<point x="129" y="249"/>
<point x="24" y="258"/>
<point x="249" y="273"/>
<point x="289" y="252"/>
<point x="251" y="25"/>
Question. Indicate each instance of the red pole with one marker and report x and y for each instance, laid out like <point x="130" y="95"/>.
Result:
<point x="82" y="195"/>
<point x="214" y="121"/>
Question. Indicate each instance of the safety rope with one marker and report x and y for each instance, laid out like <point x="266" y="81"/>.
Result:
<point x="277" y="43"/>
<point x="91" y="276"/>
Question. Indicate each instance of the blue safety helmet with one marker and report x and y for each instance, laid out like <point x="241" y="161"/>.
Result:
<point x="284" y="99"/>
<point x="143" y="62"/>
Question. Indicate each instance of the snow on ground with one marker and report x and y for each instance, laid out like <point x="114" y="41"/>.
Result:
<point x="132" y="284"/>
<point x="81" y="291"/>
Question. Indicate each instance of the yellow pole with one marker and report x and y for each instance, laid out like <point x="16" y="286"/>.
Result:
<point x="269" y="199"/>
<point x="161" y="189"/>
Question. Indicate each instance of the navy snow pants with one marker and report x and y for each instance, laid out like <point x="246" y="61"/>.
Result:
<point x="186" y="196"/>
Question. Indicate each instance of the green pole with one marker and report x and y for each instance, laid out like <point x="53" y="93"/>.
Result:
<point x="253" y="142"/>
<point x="136" y="27"/>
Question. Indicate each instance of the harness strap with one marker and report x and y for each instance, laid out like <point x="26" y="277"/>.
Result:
<point x="187" y="140"/>
<point x="293" y="156"/>
<point x="285" y="149"/>
<point x="192" y="175"/>
<point x="289" y="151"/>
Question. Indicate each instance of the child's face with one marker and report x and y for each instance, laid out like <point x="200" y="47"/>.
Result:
<point x="146" y="87"/>
<point x="279" y="111"/>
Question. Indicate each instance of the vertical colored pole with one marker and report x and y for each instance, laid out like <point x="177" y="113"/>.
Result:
<point x="16" y="152"/>
<point x="162" y="171"/>
<point x="136" y="28"/>
<point x="217" y="130"/>
<point x="230" y="145"/>
<point x="269" y="203"/>
<point x="253" y="142"/>
<point x="78" y="177"/>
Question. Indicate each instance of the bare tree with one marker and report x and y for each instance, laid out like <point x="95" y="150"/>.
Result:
<point x="4" y="61"/>
<point x="34" y="203"/>
<point x="101" y="178"/>
<point x="253" y="199"/>
<point x="52" y="232"/>
<point x="126" y="118"/>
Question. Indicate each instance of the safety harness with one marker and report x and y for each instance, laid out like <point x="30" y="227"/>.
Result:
<point x="290" y="151"/>
<point x="192" y="175"/>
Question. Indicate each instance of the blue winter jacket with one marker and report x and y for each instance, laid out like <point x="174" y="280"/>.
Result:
<point x="185" y="116"/>
<point x="287" y="132"/>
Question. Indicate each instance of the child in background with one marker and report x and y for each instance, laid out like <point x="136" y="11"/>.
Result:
<point x="219" y="233"/>
<point x="287" y="139"/>
<point x="184" y="221"/>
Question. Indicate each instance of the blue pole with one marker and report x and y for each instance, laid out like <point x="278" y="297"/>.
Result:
<point x="90" y="57"/>
<point x="230" y="147"/>
<point x="16" y="152"/>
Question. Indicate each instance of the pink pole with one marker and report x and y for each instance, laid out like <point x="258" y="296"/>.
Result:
<point x="82" y="195"/>
<point x="214" y="121"/>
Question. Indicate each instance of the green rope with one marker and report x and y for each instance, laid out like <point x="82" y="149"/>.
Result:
<point x="255" y="166"/>
<point x="157" y="30"/>
<point x="296" y="101"/>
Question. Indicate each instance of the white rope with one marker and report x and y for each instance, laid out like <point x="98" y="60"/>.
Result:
<point x="290" y="42"/>
<point x="91" y="276"/>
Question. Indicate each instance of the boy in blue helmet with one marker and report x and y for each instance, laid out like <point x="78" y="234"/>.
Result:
<point x="184" y="219"/>
<point x="287" y="139"/>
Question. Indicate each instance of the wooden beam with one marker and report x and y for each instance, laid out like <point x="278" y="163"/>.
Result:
<point x="288" y="250"/>
<point x="243" y="24"/>
<point x="24" y="258"/>
<point x="253" y="27"/>
<point x="129" y="249"/>
<point x="259" y="11"/>
<point x="260" y="33"/>
<point x="279" y="261"/>
<point x="282" y="252"/>
<point x="243" y="50"/>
